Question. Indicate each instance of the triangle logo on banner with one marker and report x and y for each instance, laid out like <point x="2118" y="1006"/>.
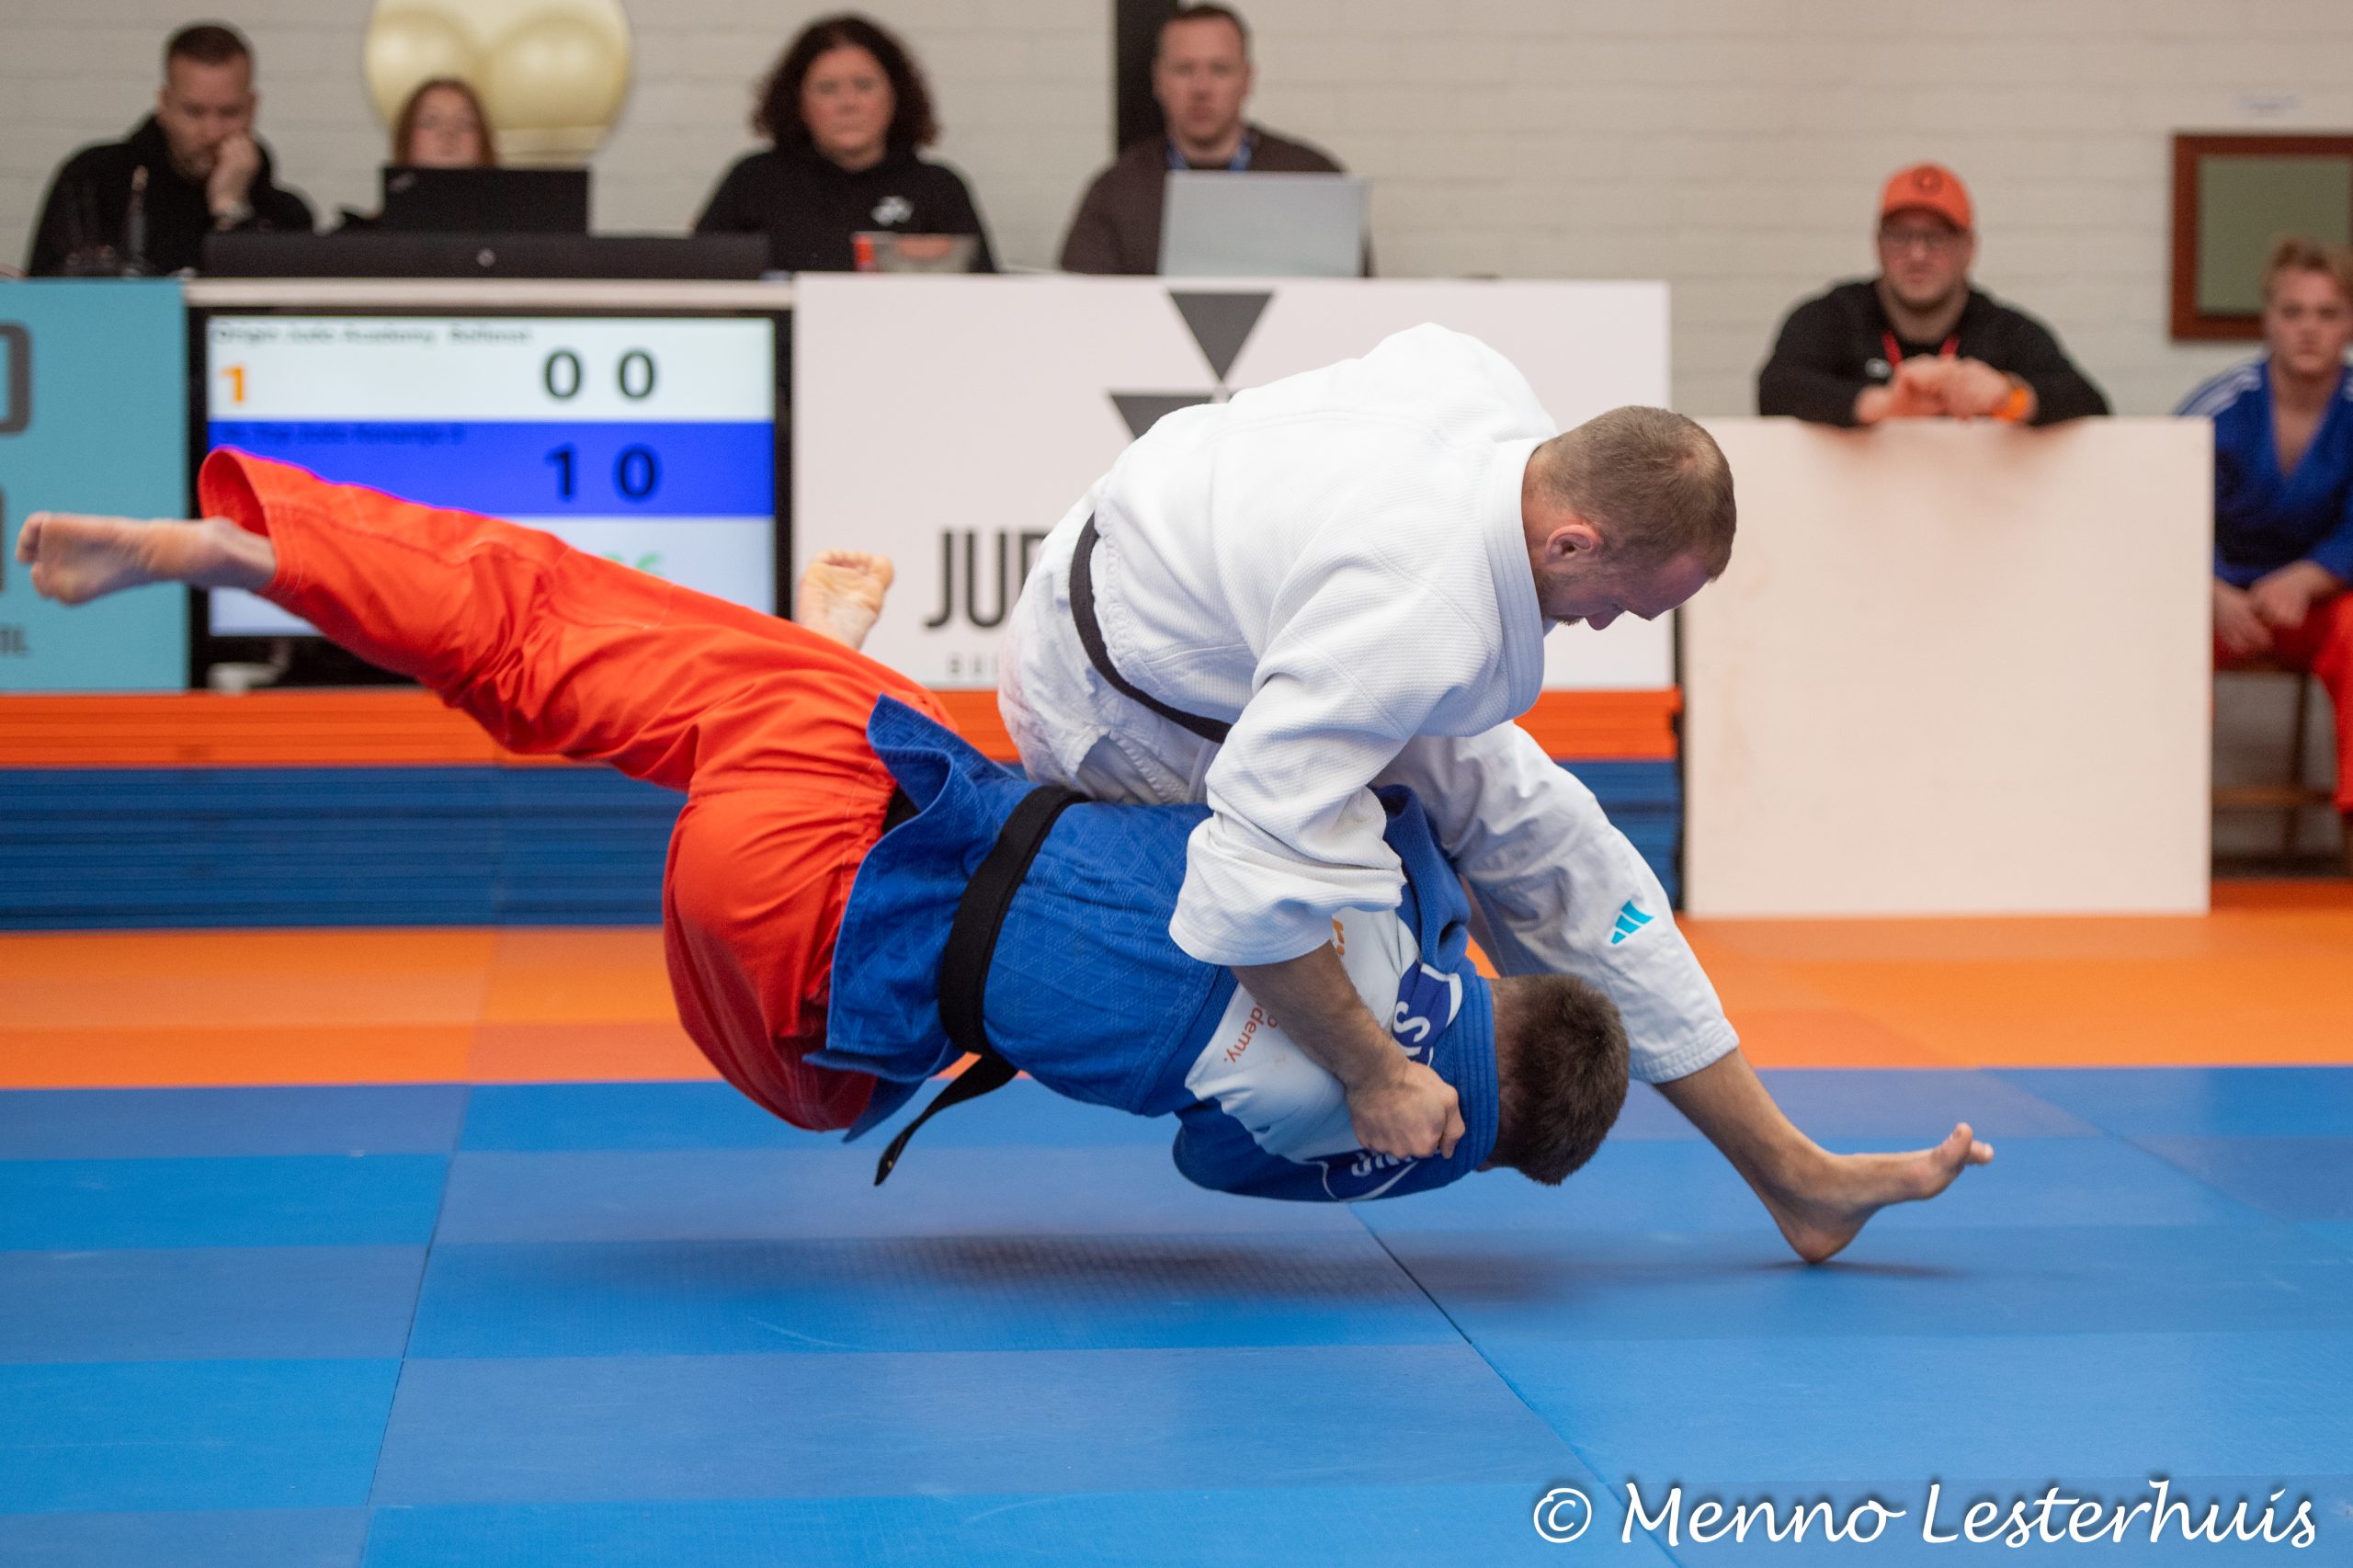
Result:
<point x="1221" y="324"/>
<point x="1143" y="410"/>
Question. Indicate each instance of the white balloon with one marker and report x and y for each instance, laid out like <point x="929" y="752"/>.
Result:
<point x="555" y="70"/>
<point x="409" y="45"/>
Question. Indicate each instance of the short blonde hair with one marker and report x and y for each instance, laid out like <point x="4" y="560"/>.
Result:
<point x="1654" y="483"/>
<point x="2294" y="253"/>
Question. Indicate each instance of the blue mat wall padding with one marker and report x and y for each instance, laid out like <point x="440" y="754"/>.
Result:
<point x="1645" y="801"/>
<point x="103" y="848"/>
<point x="109" y="848"/>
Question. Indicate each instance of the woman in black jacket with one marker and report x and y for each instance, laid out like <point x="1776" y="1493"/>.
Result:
<point x="845" y="109"/>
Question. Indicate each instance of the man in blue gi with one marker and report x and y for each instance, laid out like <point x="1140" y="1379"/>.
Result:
<point x="1032" y="926"/>
<point x="2283" y="488"/>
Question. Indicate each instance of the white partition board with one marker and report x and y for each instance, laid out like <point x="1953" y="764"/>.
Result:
<point x="1954" y="669"/>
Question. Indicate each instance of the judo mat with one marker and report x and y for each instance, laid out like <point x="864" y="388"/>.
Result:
<point x="412" y="1248"/>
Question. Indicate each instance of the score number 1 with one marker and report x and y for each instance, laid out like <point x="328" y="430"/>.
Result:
<point x="637" y="472"/>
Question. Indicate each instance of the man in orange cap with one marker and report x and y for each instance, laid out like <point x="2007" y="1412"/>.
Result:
<point x="1917" y="341"/>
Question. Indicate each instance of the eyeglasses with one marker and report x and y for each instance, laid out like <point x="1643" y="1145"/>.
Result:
<point x="1936" y="241"/>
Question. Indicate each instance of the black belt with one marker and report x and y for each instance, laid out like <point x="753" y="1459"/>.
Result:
<point x="1090" y="632"/>
<point x="972" y="945"/>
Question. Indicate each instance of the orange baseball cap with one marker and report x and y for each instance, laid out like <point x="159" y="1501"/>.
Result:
<point x="1928" y="188"/>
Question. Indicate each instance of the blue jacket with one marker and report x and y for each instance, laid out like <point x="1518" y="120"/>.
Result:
<point x="1089" y="995"/>
<point x="2265" y="519"/>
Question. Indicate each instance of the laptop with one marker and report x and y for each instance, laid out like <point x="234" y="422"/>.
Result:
<point x="1218" y="224"/>
<point x="484" y="202"/>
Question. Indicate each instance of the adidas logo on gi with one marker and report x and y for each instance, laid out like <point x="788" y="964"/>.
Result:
<point x="1629" y="920"/>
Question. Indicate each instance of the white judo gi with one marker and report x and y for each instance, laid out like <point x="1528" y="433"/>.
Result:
<point x="1334" y="563"/>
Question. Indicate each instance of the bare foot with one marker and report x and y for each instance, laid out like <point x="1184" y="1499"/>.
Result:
<point x="841" y="594"/>
<point x="76" y="559"/>
<point x="1821" y="1212"/>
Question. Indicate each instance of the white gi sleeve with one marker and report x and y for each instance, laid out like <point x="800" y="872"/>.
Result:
<point x="1294" y="836"/>
<point x="1553" y="883"/>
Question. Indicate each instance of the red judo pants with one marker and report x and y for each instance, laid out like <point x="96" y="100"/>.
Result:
<point x="760" y="722"/>
<point x="2322" y="644"/>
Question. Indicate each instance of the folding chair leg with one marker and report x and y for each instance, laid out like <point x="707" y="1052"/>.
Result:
<point x="2299" y="733"/>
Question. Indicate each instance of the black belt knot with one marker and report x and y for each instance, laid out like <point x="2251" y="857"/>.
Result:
<point x="971" y="947"/>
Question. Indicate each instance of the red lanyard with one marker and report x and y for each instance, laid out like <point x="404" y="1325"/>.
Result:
<point x="1895" y="349"/>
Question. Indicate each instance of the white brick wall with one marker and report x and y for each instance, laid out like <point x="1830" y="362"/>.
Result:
<point x="1734" y="147"/>
<point x="1729" y="146"/>
<point x="1021" y="88"/>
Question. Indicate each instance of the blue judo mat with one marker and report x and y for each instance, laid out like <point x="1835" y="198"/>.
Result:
<point x="644" y="1324"/>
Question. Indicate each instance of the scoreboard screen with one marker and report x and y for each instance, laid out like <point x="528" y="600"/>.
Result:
<point x="650" y="440"/>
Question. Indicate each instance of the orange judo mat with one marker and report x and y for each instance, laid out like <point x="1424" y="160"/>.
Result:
<point x="2263" y="981"/>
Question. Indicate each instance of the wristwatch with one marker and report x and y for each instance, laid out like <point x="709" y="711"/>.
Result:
<point x="2013" y="407"/>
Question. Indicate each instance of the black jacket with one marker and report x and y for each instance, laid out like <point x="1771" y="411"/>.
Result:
<point x="91" y="193"/>
<point x="810" y="206"/>
<point x="1835" y="344"/>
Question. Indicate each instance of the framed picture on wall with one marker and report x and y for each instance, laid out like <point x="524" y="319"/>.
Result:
<point x="2233" y="195"/>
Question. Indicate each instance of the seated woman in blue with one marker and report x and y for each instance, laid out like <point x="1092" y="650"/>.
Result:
<point x="846" y="108"/>
<point x="2283" y="486"/>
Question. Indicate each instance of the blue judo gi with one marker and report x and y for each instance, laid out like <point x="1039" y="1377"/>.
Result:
<point x="2264" y="519"/>
<point x="1087" y="993"/>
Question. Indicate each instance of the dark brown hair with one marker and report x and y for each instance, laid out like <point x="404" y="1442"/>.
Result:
<point x="1564" y="1072"/>
<point x="207" y="43"/>
<point x="405" y="127"/>
<point x="2294" y="253"/>
<point x="1654" y="483"/>
<point x="778" y="114"/>
<point x="1206" y="14"/>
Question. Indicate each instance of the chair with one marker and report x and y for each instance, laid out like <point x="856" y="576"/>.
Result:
<point x="2290" y="799"/>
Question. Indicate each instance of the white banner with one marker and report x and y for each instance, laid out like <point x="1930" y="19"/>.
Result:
<point x="951" y="422"/>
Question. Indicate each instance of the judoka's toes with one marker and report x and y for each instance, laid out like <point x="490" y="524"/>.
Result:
<point x="77" y="559"/>
<point x="861" y="564"/>
<point x="841" y="594"/>
<point x="1821" y="1213"/>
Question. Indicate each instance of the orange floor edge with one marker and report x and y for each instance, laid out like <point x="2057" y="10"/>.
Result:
<point x="2262" y="981"/>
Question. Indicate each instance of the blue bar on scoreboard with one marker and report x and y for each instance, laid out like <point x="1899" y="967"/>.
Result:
<point x="533" y="470"/>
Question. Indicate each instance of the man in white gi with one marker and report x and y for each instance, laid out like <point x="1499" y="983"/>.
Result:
<point x="1345" y="578"/>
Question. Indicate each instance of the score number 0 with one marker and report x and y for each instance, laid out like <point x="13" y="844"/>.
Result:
<point x="637" y="472"/>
